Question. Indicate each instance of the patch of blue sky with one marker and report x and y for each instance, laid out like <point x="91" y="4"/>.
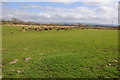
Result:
<point x="72" y="5"/>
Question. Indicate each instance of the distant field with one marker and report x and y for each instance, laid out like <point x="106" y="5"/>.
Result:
<point x="77" y="53"/>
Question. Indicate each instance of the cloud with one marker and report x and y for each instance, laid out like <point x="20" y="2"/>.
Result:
<point x="114" y="4"/>
<point x="103" y="14"/>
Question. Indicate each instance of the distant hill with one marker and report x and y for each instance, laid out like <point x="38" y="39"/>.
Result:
<point x="17" y="21"/>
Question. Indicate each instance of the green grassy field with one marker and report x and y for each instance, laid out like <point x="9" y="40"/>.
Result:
<point x="76" y="53"/>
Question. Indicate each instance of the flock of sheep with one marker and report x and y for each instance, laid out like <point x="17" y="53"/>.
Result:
<point x="45" y="28"/>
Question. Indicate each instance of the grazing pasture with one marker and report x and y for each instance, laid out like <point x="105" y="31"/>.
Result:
<point x="76" y="53"/>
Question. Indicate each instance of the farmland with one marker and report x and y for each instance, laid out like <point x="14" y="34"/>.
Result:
<point x="76" y="53"/>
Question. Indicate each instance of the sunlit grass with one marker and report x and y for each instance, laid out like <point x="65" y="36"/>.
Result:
<point x="73" y="53"/>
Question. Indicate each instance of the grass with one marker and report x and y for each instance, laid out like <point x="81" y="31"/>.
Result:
<point x="76" y="53"/>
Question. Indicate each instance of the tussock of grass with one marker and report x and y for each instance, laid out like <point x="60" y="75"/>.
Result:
<point x="60" y="54"/>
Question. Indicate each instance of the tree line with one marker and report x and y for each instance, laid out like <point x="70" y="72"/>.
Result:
<point x="16" y="21"/>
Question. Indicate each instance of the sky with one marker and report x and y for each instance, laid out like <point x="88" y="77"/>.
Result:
<point x="62" y="12"/>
